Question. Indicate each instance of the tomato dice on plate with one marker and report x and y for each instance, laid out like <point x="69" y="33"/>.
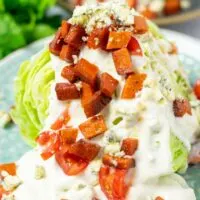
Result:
<point x="197" y="88"/>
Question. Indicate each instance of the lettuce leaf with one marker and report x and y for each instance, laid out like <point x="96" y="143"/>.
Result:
<point x="32" y="89"/>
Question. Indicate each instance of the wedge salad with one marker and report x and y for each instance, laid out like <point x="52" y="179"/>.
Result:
<point x="108" y="110"/>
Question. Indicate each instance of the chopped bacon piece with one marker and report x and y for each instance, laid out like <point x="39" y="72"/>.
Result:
<point x="118" y="162"/>
<point x="194" y="157"/>
<point x="98" y="38"/>
<point x="62" y="120"/>
<point x="10" y="168"/>
<point x="149" y="13"/>
<point x="74" y="37"/>
<point x="65" y="28"/>
<point x="87" y="93"/>
<point x="134" y="84"/>
<point x="66" y="91"/>
<point x="96" y="104"/>
<point x="172" y="6"/>
<point x="84" y="150"/>
<point x="159" y="198"/>
<point x="122" y="61"/>
<point x="67" y="53"/>
<point x="134" y="47"/>
<point x="118" y="40"/>
<point x="132" y="3"/>
<point x="51" y="147"/>
<point x="129" y="146"/>
<point x="140" y="25"/>
<point x="55" y="45"/>
<point x="174" y="49"/>
<point x="93" y="127"/>
<point x="108" y="84"/>
<point x="86" y="71"/>
<point x="68" y="135"/>
<point x="43" y="138"/>
<point x="71" y="165"/>
<point x="181" y="107"/>
<point x="69" y="73"/>
<point x="197" y="89"/>
<point x="3" y="191"/>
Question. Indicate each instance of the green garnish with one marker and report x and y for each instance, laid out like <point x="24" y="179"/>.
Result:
<point x="117" y="120"/>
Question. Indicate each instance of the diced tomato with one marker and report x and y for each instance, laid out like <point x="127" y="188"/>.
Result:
<point x="194" y="157"/>
<point x="106" y="178"/>
<point x="132" y="3"/>
<point x="67" y="91"/>
<point x="140" y="25"/>
<point x="43" y="138"/>
<point x="65" y="28"/>
<point x="159" y="198"/>
<point x="74" y="37"/>
<point x="134" y="84"/>
<point x="68" y="135"/>
<point x="129" y="146"/>
<point x="93" y="127"/>
<point x="98" y="38"/>
<point x="86" y="93"/>
<point x="120" y="184"/>
<point x="10" y="168"/>
<point x="86" y="71"/>
<point x="197" y="89"/>
<point x="118" y="40"/>
<point x="181" y="107"/>
<point x="114" y="183"/>
<point x="62" y="120"/>
<point x="84" y="150"/>
<point x="149" y="13"/>
<point x="172" y="7"/>
<point x="122" y="61"/>
<point x="118" y="162"/>
<point x="96" y="104"/>
<point x="108" y="84"/>
<point x="51" y="147"/>
<point x="56" y="44"/>
<point x="134" y="47"/>
<point x="69" y="74"/>
<point x="67" y="53"/>
<point x="78" y="2"/>
<point x="69" y="164"/>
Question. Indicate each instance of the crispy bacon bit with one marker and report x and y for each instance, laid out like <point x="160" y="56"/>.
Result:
<point x="132" y="3"/>
<point x="98" y="38"/>
<point x="66" y="91"/>
<point x="93" y="127"/>
<point x="174" y="49"/>
<point x="129" y="146"/>
<point x="134" y="47"/>
<point x="134" y="84"/>
<point x="10" y="168"/>
<point x="3" y="191"/>
<point x="181" y="107"/>
<point x="149" y="13"/>
<point x="86" y="71"/>
<point x="118" y="40"/>
<point x="194" y="157"/>
<point x="67" y="53"/>
<point x="69" y="73"/>
<point x="122" y="61"/>
<point x="55" y="45"/>
<point x="172" y="7"/>
<point x="118" y="162"/>
<point x="159" y="198"/>
<point x="87" y="93"/>
<point x="96" y="104"/>
<point x="65" y="28"/>
<point x="62" y="120"/>
<point x="68" y="135"/>
<point x="74" y="37"/>
<point x="84" y="150"/>
<point x="140" y="25"/>
<point x="108" y="84"/>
